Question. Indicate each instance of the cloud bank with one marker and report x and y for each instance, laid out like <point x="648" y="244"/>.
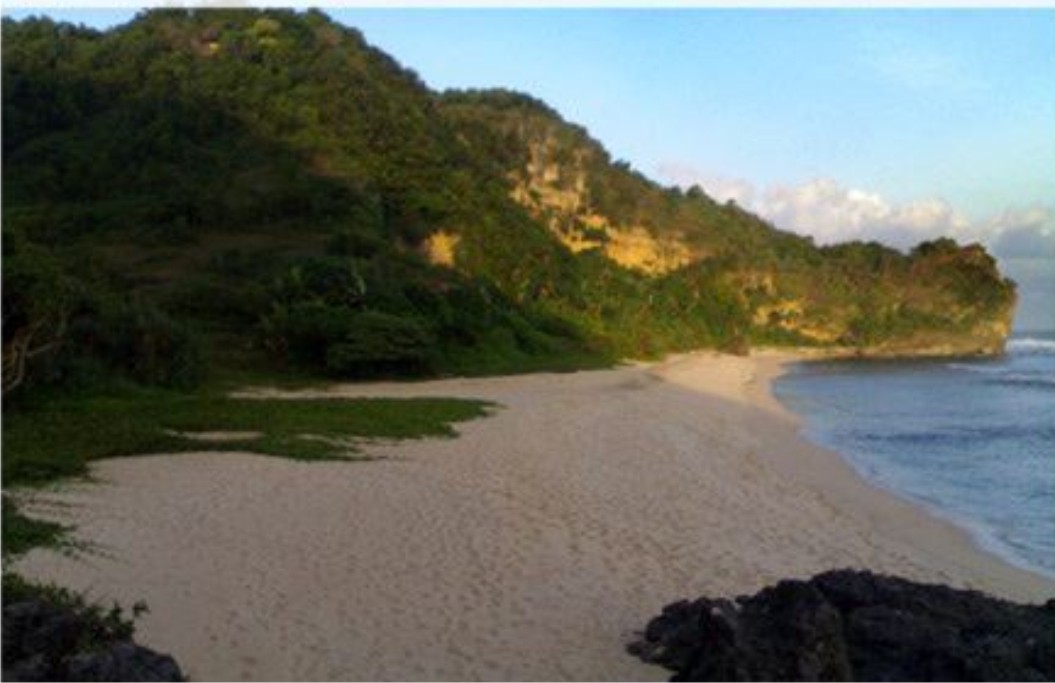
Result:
<point x="831" y="212"/>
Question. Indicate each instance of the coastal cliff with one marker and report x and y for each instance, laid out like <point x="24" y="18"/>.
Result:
<point x="195" y="190"/>
<point x="854" y="299"/>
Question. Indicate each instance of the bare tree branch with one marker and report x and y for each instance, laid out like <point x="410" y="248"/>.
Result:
<point x="18" y="352"/>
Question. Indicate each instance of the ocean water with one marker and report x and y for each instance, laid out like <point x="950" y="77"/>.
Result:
<point x="971" y="440"/>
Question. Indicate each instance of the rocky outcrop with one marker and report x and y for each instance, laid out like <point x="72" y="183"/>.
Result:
<point x="48" y="642"/>
<point x="853" y="625"/>
<point x="553" y="186"/>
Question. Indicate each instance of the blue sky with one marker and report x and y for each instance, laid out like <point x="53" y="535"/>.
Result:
<point x="896" y="125"/>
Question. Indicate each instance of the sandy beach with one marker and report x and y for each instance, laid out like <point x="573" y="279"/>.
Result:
<point x="528" y="548"/>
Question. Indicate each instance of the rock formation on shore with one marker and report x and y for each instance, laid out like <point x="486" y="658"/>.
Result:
<point x="853" y="625"/>
<point x="50" y="642"/>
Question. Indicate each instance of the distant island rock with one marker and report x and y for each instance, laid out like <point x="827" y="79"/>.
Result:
<point x="853" y="626"/>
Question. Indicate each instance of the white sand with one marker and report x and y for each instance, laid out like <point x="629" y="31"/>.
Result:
<point x="531" y="547"/>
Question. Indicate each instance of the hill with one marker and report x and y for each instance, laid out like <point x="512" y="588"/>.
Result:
<point x="231" y="191"/>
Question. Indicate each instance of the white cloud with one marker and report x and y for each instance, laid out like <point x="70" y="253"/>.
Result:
<point x="1024" y="233"/>
<point x="831" y="212"/>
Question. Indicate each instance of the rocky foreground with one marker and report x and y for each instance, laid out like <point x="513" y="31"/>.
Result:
<point x="50" y="642"/>
<point x="853" y="625"/>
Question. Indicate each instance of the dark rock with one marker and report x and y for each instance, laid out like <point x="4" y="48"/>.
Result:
<point x="47" y="642"/>
<point x="853" y="625"/>
<point x="40" y="627"/>
<point x="33" y="668"/>
<point x="123" y="662"/>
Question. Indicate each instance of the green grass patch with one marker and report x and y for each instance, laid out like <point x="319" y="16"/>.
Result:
<point x="57" y="438"/>
<point x="22" y="533"/>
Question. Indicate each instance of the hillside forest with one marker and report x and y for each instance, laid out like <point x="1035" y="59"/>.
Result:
<point x="220" y="195"/>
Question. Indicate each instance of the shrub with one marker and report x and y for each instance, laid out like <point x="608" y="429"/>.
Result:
<point x="305" y="330"/>
<point x="380" y="342"/>
<point x="140" y="340"/>
<point x="213" y="300"/>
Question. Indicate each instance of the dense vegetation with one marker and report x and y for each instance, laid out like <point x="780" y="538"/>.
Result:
<point x="223" y="191"/>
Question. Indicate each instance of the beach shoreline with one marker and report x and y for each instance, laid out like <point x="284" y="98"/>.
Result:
<point x="979" y="533"/>
<point x="953" y="527"/>
<point x="530" y="547"/>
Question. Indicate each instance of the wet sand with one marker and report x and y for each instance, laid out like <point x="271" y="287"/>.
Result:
<point x="528" y="548"/>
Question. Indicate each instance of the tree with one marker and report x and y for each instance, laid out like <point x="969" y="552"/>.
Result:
<point x="37" y="304"/>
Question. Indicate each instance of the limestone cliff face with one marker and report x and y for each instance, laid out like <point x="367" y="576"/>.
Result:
<point x="986" y="337"/>
<point x="558" y="194"/>
<point x="439" y="248"/>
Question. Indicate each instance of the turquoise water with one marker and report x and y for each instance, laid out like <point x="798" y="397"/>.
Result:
<point x="972" y="440"/>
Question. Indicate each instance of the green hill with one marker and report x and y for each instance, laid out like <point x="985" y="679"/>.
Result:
<point x="228" y="191"/>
